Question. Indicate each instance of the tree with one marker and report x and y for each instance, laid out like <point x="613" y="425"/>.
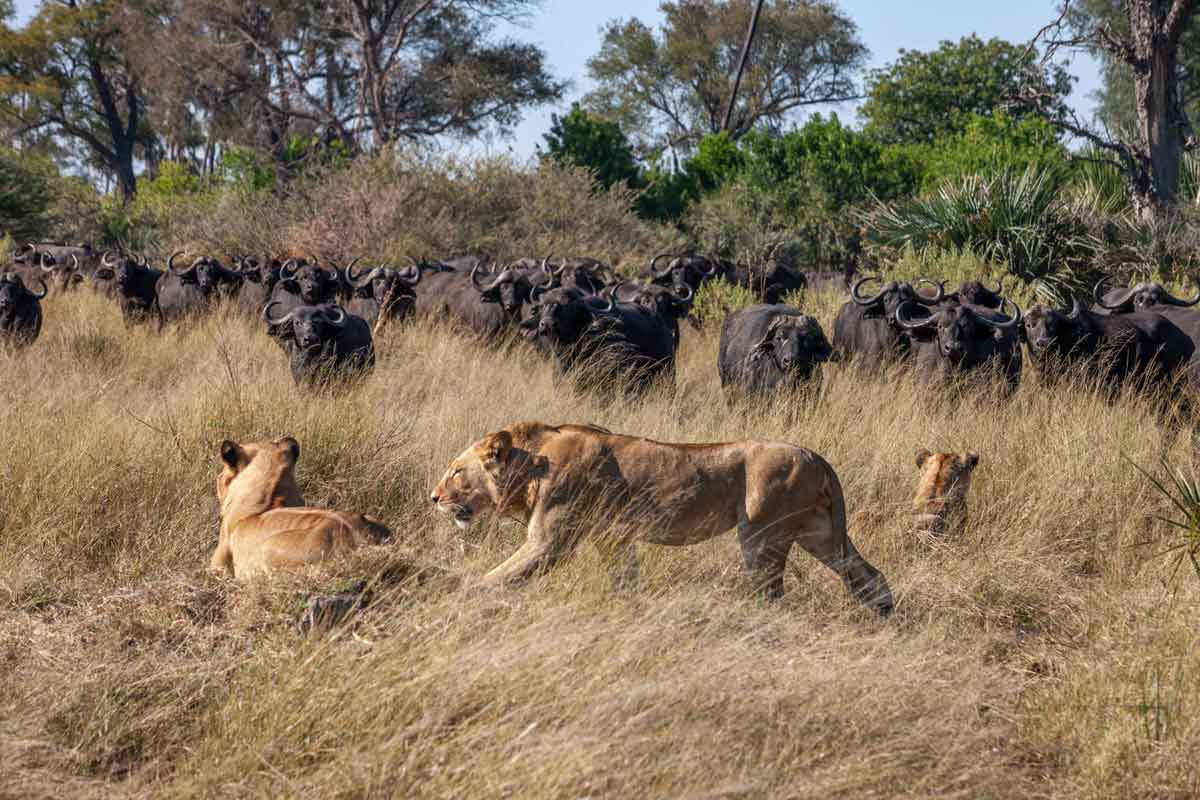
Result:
<point x="67" y="75"/>
<point x="671" y="88"/>
<point x="1116" y="96"/>
<point x="584" y="140"/>
<point x="25" y="197"/>
<point x="1149" y="159"/>
<point x="369" y="72"/>
<point x="924" y="97"/>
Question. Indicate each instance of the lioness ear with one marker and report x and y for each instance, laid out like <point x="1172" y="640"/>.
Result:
<point x="495" y="449"/>
<point x="231" y="454"/>
<point x="922" y="456"/>
<point x="293" y="447"/>
<point x="972" y="459"/>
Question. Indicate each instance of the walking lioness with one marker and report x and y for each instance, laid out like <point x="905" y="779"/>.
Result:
<point x="572" y="480"/>
<point x="264" y="524"/>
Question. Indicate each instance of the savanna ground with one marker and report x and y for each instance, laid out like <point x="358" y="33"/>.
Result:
<point x="1043" y="652"/>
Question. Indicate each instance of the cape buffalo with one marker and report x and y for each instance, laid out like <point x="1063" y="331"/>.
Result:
<point x="134" y="284"/>
<point x="325" y="344"/>
<point x="1140" y="297"/>
<point x="1137" y="346"/>
<point x="183" y="292"/>
<point x="20" y="311"/>
<point x="303" y="284"/>
<point x="671" y="304"/>
<point x="258" y="282"/>
<point x="954" y="339"/>
<point x="69" y="265"/>
<point x="596" y="333"/>
<point x="866" y="326"/>
<point x="453" y="295"/>
<point x="510" y="287"/>
<point x="585" y="274"/>
<point x="765" y="347"/>
<point x="383" y="290"/>
<point x="686" y="270"/>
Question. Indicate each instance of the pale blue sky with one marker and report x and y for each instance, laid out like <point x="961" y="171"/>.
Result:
<point x="569" y="31"/>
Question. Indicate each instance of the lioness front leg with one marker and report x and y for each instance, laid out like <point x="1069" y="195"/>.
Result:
<point x="543" y="548"/>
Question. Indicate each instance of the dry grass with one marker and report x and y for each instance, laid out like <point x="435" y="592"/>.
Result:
<point x="1037" y="655"/>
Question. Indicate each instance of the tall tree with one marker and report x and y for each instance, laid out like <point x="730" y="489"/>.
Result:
<point x="923" y="97"/>
<point x="670" y="88"/>
<point x="1116" y="98"/>
<point x="67" y="75"/>
<point x="1149" y="159"/>
<point x="369" y="72"/>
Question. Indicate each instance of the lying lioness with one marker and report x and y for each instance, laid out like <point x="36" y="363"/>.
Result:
<point x="565" y="481"/>
<point x="264" y="525"/>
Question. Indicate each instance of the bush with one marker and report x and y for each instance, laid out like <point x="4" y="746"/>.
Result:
<point x="988" y="145"/>
<point x="1020" y="220"/>
<point x="25" y="195"/>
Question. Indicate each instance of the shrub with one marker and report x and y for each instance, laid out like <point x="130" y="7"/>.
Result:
<point x="1020" y="220"/>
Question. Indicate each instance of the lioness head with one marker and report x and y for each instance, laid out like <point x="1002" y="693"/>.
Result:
<point x="943" y="487"/>
<point x="263" y="472"/>
<point x="471" y="483"/>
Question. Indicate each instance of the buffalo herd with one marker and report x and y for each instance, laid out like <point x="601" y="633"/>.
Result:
<point x="579" y="312"/>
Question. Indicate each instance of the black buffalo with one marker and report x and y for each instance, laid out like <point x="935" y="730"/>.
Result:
<point x="383" y="290"/>
<point x="69" y="265"/>
<point x="452" y="295"/>
<point x="35" y="265"/>
<point x="325" y="344"/>
<point x="191" y="290"/>
<point x="302" y="283"/>
<point x="1138" y="346"/>
<point x="768" y="347"/>
<point x="134" y="284"/>
<point x="510" y="287"/>
<point x="1140" y="297"/>
<point x="686" y="270"/>
<point x="602" y="338"/>
<point x="20" y="311"/>
<point x="954" y="339"/>
<point x="586" y="274"/>
<point x="259" y="279"/>
<point x="975" y="293"/>
<point x="672" y="304"/>
<point x="866" y="326"/>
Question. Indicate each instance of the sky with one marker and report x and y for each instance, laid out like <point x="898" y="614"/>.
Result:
<point x="569" y="32"/>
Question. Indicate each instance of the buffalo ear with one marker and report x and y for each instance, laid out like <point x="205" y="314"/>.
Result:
<point x="231" y="454"/>
<point x="923" y="455"/>
<point x="494" y="449"/>
<point x="972" y="459"/>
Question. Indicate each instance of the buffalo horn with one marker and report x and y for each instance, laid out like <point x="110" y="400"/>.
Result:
<point x="666" y="271"/>
<point x="903" y="320"/>
<point x="1122" y="298"/>
<point x="865" y="301"/>
<point x="605" y="307"/>
<point x="267" y="314"/>
<point x="1175" y="301"/>
<point x="42" y="294"/>
<point x="1012" y="322"/>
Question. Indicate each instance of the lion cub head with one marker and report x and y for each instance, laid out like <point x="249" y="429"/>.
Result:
<point x="941" y="501"/>
<point x="260" y="475"/>
<point x="471" y="483"/>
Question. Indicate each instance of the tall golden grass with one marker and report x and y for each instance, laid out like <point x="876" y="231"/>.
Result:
<point x="1040" y="653"/>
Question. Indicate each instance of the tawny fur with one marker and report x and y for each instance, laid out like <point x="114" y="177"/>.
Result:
<point x="570" y="481"/>
<point x="264" y="524"/>
<point x="940" y="504"/>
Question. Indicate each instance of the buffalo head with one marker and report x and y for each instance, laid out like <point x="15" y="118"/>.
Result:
<point x="959" y="328"/>
<point x="1140" y="296"/>
<point x="795" y="344"/>
<point x="313" y="283"/>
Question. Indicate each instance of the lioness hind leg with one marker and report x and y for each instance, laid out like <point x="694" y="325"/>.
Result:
<point x="765" y="553"/>
<point x="835" y="550"/>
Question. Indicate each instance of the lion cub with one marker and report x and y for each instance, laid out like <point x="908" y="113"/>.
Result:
<point x="941" y="501"/>
<point x="264" y="524"/>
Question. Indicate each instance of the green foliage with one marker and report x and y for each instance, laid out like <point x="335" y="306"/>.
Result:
<point x="717" y="161"/>
<point x="246" y="170"/>
<point x="583" y="140"/>
<point x="25" y="195"/>
<point x="715" y="300"/>
<point x="987" y="145"/>
<point x="1183" y="493"/>
<point x="1020" y="219"/>
<point x="799" y="188"/>
<point x="669" y="88"/>
<point x="925" y="96"/>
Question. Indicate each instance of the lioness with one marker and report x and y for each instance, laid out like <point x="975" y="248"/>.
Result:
<point x="941" y="500"/>
<point x="561" y="479"/>
<point x="264" y="525"/>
